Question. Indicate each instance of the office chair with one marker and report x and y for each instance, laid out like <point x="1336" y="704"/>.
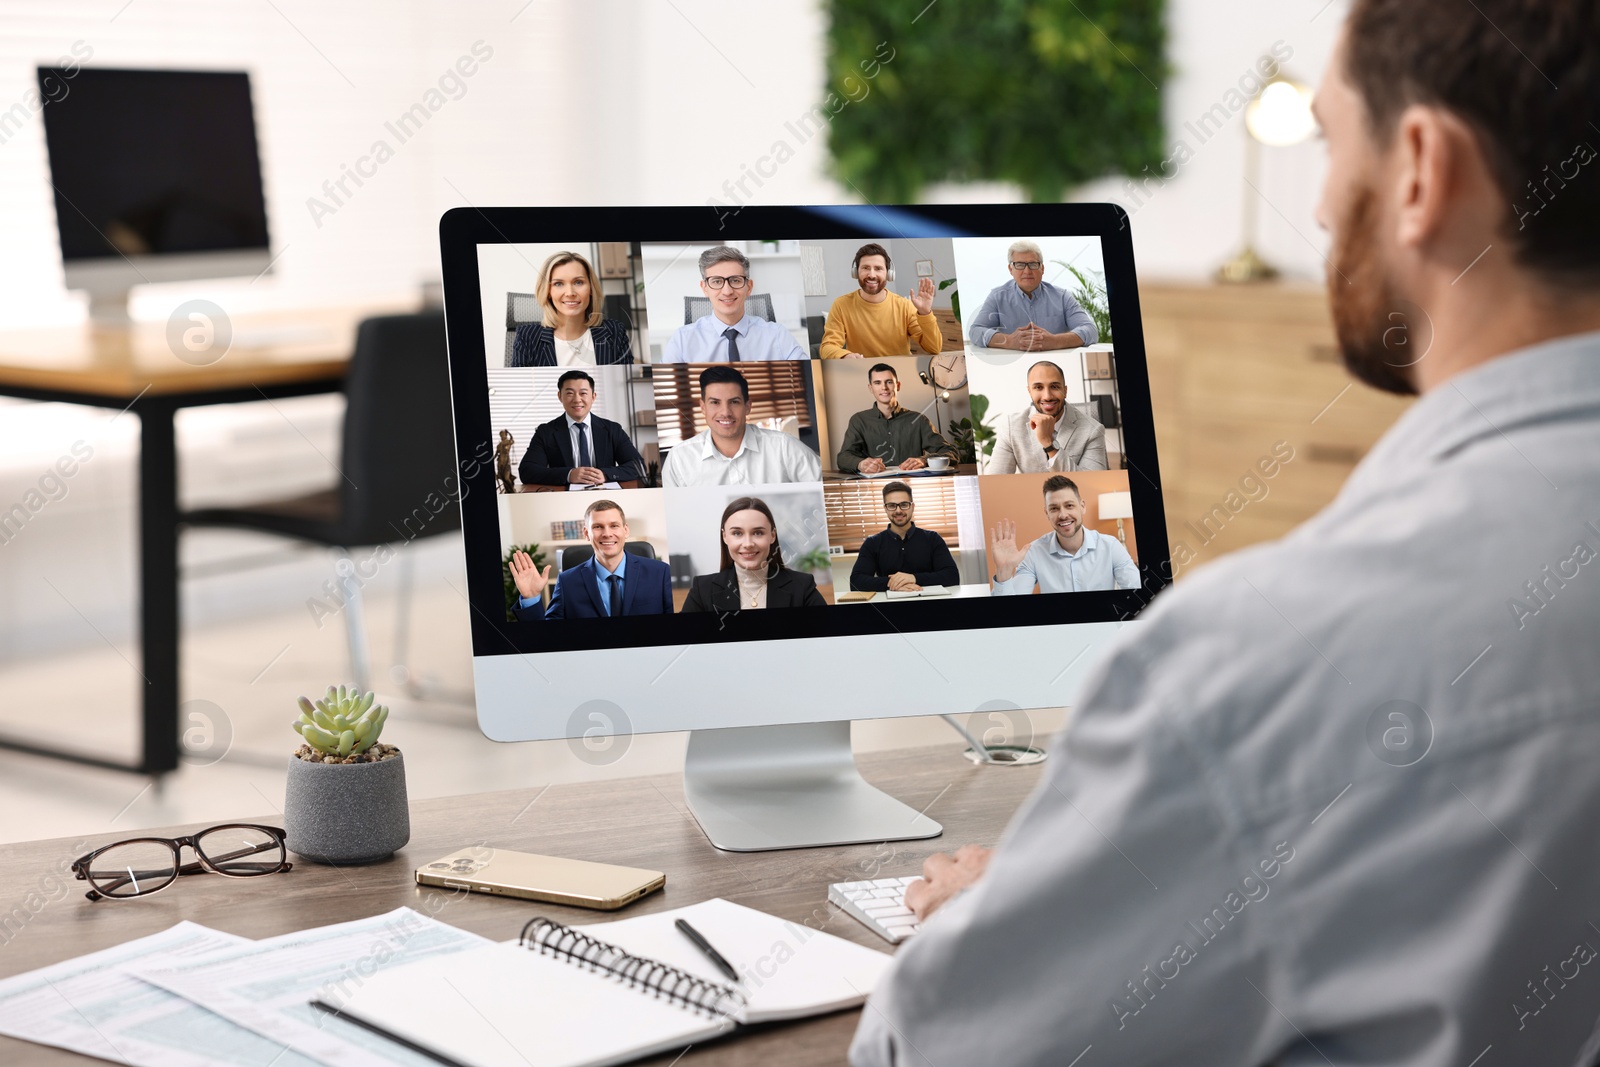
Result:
<point x="397" y="465"/>
<point x="579" y="554"/>
<point x="520" y="308"/>
<point x="698" y="307"/>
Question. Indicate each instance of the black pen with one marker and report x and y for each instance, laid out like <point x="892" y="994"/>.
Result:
<point x="705" y="946"/>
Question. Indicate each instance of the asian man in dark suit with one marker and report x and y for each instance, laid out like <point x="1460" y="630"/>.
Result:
<point x="610" y="583"/>
<point x="578" y="446"/>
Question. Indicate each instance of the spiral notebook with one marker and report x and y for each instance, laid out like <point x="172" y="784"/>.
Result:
<point x="570" y="996"/>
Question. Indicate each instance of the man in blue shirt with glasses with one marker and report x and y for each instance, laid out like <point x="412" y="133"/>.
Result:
<point x="1028" y="314"/>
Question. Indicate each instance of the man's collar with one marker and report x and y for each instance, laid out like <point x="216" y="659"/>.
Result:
<point x="571" y="422"/>
<point x="1540" y="383"/>
<point x="749" y="443"/>
<point x="600" y="568"/>
<point x="1037" y="290"/>
<point x="743" y="325"/>
<point x="897" y="410"/>
<point x="1091" y="541"/>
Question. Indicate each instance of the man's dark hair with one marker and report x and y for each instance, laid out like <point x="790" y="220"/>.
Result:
<point x="1525" y="77"/>
<point x="604" y="505"/>
<point x="876" y="367"/>
<point x="1047" y="363"/>
<point x="724" y="373"/>
<point x="870" y="250"/>
<point x="571" y="376"/>
<point x="1057" y="482"/>
<point x="897" y="487"/>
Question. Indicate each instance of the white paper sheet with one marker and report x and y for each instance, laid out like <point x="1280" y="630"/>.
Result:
<point x="268" y="985"/>
<point x="94" y="1006"/>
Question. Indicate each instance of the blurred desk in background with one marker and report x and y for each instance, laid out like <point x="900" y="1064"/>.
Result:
<point x="148" y="370"/>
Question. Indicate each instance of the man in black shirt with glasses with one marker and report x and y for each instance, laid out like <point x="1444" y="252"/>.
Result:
<point x="903" y="557"/>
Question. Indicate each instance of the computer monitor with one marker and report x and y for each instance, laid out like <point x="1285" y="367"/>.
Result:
<point x="946" y="436"/>
<point x="156" y="177"/>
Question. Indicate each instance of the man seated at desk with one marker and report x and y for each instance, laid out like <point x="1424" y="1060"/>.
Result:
<point x="608" y="584"/>
<point x="904" y="556"/>
<point x="1028" y="314"/>
<point x="729" y="334"/>
<point x="1068" y="559"/>
<point x="872" y="321"/>
<point x="887" y="434"/>
<point x="578" y="447"/>
<point x="1050" y="434"/>
<point x="730" y="452"/>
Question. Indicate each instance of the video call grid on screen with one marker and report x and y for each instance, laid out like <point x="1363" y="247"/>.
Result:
<point x="814" y="350"/>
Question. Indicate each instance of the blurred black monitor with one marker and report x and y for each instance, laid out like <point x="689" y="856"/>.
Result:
<point x="157" y="177"/>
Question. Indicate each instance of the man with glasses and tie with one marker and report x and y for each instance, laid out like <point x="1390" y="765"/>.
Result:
<point x="578" y="447"/>
<point x="1028" y="314"/>
<point x="609" y="584"/>
<point x="729" y="334"/>
<point x="904" y="556"/>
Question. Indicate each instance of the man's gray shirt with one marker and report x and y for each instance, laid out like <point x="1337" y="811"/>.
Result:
<point x="1334" y="798"/>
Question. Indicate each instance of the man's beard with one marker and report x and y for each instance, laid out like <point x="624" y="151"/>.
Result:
<point x="871" y="285"/>
<point x="1369" y="317"/>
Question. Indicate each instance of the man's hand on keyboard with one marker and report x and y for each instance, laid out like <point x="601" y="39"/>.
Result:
<point x="944" y="875"/>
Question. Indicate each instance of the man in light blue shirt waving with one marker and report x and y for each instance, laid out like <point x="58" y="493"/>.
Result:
<point x="1068" y="559"/>
<point x="729" y="334"/>
<point x="1028" y="314"/>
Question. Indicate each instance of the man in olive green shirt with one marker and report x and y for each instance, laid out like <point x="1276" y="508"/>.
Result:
<point x="888" y="435"/>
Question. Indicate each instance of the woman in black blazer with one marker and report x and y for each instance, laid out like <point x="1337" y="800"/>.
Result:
<point x="753" y="574"/>
<point x="575" y="331"/>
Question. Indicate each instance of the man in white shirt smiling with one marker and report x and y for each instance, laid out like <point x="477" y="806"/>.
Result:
<point x="729" y="334"/>
<point x="730" y="452"/>
<point x="1070" y="558"/>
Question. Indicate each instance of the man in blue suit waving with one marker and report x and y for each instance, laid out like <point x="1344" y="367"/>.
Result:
<point x="608" y="584"/>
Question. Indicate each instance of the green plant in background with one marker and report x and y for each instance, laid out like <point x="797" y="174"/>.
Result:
<point x="505" y="572"/>
<point x="1091" y="295"/>
<point x="955" y="297"/>
<point x="345" y="722"/>
<point x="813" y="561"/>
<point x="972" y="436"/>
<point x="1048" y="94"/>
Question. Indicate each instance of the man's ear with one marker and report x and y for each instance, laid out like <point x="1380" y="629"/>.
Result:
<point x="1434" y="152"/>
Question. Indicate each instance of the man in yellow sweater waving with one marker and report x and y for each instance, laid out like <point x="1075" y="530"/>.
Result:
<point x="872" y="321"/>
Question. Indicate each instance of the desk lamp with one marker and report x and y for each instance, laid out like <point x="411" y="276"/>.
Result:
<point x="1117" y="506"/>
<point x="1279" y="115"/>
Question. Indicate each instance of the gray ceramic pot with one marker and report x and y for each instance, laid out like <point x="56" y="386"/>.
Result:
<point x="346" y="813"/>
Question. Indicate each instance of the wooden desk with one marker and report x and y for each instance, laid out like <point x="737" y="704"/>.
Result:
<point x="526" y="488"/>
<point x="640" y="822"/>
<point x="135" y="370"/>
<point x="847" y="476"/>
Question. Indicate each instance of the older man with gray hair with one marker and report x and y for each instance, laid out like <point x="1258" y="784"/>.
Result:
<point x="729" y="334"/>
<point x="1028" y="314"/>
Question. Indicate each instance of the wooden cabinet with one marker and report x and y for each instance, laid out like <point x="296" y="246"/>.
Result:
<point x="1240" y="376"/>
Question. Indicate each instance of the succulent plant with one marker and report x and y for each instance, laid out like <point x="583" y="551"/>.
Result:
<point x="343" y="723"/>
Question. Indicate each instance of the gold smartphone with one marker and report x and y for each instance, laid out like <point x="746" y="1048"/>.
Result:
<point x="549" y="879"/>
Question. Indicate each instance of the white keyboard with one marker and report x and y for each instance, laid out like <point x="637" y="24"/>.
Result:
<point x="879" y="904"/>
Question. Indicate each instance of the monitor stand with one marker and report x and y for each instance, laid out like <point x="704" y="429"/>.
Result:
<point x="754" y="788"/>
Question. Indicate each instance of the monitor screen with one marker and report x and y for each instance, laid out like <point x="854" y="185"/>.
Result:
<point x="857" y="452"/>
<point x="153" y="162"/>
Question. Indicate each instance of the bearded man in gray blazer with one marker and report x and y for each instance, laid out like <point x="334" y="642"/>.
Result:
<point x="1051" y="434"/>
